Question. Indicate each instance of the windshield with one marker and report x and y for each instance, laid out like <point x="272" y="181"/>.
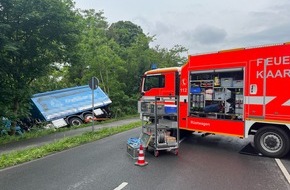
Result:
<point x="154" y="81"/>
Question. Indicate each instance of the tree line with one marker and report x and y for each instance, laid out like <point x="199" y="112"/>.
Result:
<point x="49" y="44"/>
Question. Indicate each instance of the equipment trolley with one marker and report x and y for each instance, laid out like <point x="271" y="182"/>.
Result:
<point x="160" y="122"/>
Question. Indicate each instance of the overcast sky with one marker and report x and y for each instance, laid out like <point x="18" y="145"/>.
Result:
<point x="202" y="25"/>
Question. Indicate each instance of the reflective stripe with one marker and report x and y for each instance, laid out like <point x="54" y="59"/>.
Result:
<point x="148" y="98"/>
<point x="152" y="98"/>
<point x="182" y="98"/>
<point x="250" y="122"/>
<point x="287" y="103"/>
<point x="258" y="100"/>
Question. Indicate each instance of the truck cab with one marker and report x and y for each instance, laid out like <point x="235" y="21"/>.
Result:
<point x="160" y="82"/>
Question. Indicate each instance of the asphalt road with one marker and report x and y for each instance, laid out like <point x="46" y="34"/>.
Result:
<point x="212" y="162"/>
<point x="35" y="142"/>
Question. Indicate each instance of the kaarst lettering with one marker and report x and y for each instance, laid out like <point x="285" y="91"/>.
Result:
<point x="287" y="73"/>
<point x="274" y="74"/>
<point x="260" y="74"/>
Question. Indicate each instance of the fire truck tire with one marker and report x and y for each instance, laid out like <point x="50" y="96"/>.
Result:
<point x="272" y="141"/>
<point x="75" y="121"/>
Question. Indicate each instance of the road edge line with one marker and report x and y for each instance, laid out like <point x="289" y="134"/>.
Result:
<point x="283" y="169"/>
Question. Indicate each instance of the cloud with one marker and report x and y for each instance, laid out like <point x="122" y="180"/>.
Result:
<point x="208" y="34"/>
<point x="203" y="25"/>
<point x="273" y="34"/>
<point x="156" y="27"/>
<point x="268" y="25"/>
<point x="162" y="31"/>
<point x="203" y="38"/>
<point x="264" y="27"/>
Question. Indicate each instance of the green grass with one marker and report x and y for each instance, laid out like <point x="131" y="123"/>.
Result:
<point x="27" y="135"/>
<point x="18" y="157"/>
<point x="37" y="132"/>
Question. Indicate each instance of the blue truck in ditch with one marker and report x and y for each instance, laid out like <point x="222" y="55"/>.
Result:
<point x="71" y="106"/>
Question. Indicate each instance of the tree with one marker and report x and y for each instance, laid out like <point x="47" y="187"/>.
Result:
<point x="125" y="33"/>
<point x="92" y="36"/>
<point x="165" y="57"/>
<point x="35" y="34"/>
<point x="46" y="45"/>
<point x="97" y="56"/>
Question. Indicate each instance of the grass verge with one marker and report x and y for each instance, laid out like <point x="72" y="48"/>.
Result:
<point x="38" y="132"/>
<point x="18" y="157"/>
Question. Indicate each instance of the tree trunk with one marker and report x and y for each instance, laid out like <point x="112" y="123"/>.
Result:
<point x="13" y="120"/>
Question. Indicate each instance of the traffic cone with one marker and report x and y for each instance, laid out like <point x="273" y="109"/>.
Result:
<point x="141" y="158"/>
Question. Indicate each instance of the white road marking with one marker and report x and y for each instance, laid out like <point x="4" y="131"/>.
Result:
<point x="124" y="184"/>
<point x="283" y="169"/>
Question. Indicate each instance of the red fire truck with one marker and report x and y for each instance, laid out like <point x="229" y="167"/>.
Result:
<point x="237" y="92"/>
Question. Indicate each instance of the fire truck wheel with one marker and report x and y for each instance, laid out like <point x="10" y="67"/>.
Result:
<point x="75" y="121"/>
<point x="272" y="141"/>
